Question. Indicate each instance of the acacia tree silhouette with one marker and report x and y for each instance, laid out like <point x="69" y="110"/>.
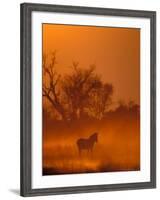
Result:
<point x="79" y="93"/>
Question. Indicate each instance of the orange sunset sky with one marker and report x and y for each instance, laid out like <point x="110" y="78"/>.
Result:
<point x="114" y="51"/>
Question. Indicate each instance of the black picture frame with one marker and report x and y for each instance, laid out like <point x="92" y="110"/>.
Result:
<point x="26" y="105"/>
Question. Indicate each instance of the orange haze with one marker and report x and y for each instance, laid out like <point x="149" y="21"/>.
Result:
<point x="116" y="54"/>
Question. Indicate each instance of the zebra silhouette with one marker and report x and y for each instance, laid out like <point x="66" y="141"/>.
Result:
<point x="87" y="143"/>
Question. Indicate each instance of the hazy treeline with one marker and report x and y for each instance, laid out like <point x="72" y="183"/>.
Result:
<point x="80" y="94"/>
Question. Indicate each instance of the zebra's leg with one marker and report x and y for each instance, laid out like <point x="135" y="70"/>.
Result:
<point x="88" y="150"/>
<point x="91" y="150"/>
<point x="79" y="151"/>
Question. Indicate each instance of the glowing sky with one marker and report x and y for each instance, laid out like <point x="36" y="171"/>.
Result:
<point x="114" y="51"/>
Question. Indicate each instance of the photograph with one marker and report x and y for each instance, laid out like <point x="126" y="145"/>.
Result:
<point x="91" y="99"/>
<point x="88" y="99"/>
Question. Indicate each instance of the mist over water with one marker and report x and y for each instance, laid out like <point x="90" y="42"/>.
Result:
<point x="117" y="149"/>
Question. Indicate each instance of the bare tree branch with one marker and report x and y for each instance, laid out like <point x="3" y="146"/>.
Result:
<point x="50" y="83"/>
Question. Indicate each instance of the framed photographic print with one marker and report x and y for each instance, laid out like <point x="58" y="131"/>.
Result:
<point x="88" y="99"/>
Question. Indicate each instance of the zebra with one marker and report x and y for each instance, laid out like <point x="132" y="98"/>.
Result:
<point x="87" y="144"/>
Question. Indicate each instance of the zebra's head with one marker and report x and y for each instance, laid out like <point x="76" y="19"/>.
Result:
<point x="95" y="136"/>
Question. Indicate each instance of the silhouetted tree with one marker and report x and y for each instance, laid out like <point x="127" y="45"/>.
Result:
<point x="100" y="100"/>
<point x="50" y="85"/>
<point x="78" y="87"/>
<point x="78" y="93"/>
